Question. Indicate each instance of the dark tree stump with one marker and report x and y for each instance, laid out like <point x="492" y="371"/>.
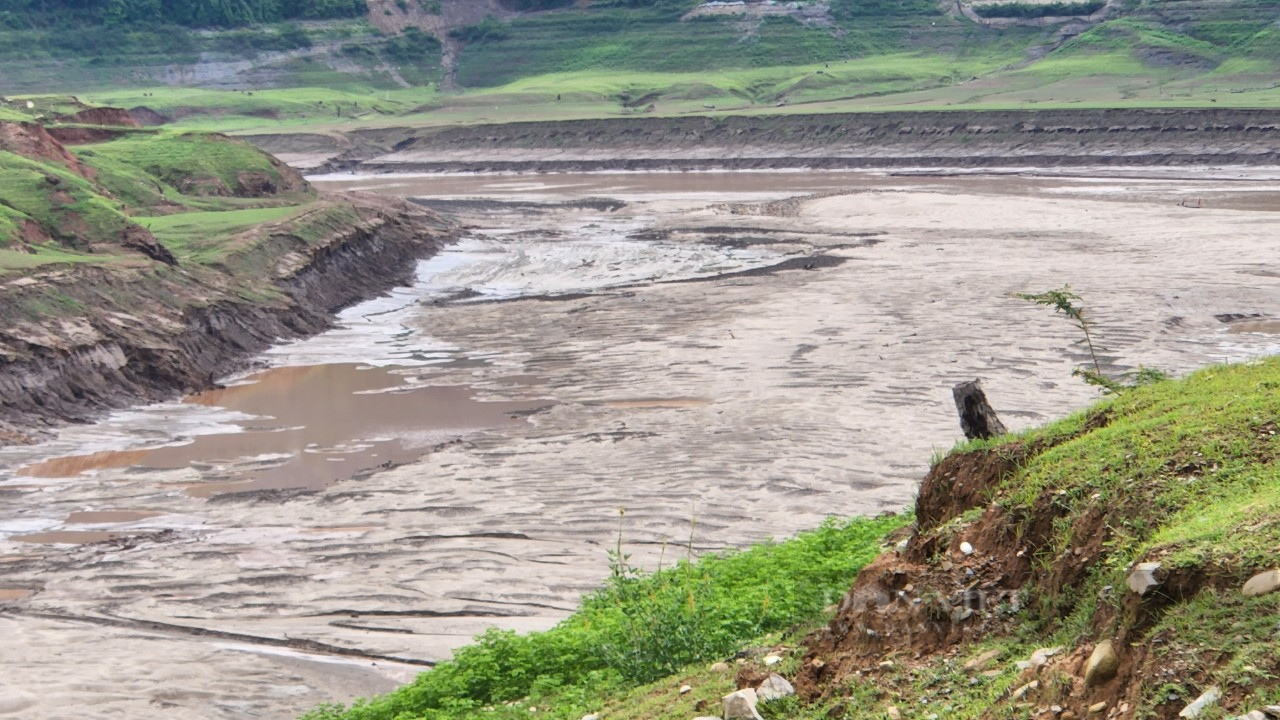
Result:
<point x="977" y="418"/>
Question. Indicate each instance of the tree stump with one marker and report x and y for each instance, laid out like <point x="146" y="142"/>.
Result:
<point x="977" y="418"/>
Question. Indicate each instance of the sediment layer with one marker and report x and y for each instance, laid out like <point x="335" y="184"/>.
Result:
<point x="897" y="139"/>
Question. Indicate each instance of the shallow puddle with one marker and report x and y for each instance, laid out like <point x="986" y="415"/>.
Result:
<point x="313" y="425"/>
<point x="1267" y="327"/>
<point x="103" y="517"/>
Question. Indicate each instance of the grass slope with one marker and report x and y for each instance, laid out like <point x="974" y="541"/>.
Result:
<point x="638" y="628"/>
<point x="51" y="214"/>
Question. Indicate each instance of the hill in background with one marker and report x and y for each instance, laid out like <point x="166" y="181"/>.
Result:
<point x="639" y="53"/>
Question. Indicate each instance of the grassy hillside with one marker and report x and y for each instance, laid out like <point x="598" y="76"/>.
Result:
<point x="671" y="57"/>
<point x="85" y="204"/>
<point x="1020" y="543"/>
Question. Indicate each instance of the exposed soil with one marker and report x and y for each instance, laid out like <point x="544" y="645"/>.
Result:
<point x="33" y="141"/>
<point x="109" y="116"/>
<point x="150" y="333"/>
<point x="923" y="601"/>
<point x="949" y="139"/>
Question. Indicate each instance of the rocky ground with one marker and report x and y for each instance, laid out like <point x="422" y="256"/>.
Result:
<point x="753" y="404"/>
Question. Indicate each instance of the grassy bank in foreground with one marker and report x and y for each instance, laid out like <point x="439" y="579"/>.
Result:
<point x="1046" y="527"/>
<point x="640" y="628"/>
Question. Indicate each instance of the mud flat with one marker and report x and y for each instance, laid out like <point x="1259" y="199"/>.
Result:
<point x="755" y="394"/>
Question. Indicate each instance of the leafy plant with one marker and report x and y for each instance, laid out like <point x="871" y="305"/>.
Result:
<point x="1063" y="301"/>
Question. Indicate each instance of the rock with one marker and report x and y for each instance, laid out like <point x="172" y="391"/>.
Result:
<point x="775" y="686"/>
<point x="1096" y="708"/>
<point x="741" y="705"/>
<point x="1272" y="711"/>
<point x="1197" y="706"/>
<point x="1262" y="583"/>
<point x="1067" y="715"/>
<point x="1039" y="657"/>
<point x="1102" y="664"/>
<point x="902" y="545"/>
<point x="1143" y="578"/>
<point x="686" y="689"/>
<point x="893" y="712"/>
<point x="706" y="717"/>
<point x="1022" y="691"/>
<point x="720" y="667"/>
<point x="592" y="716"/>
<point x="966" y="548"/>
<point x="885" y="664"/>
<point x="770" y="660"/>
<point x="1253" y="715"/>
<point x="981" y="661"/>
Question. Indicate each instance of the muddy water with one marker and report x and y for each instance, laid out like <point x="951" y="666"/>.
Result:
<point x="311" y="426"/>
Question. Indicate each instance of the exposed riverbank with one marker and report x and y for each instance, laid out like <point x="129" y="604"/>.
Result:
<point x="144" y="332"/>
<point x="942" y="139"/>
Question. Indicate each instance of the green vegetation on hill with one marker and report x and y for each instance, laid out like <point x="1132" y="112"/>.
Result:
<point x="86" y="206"/>
<point x="1182" y="473"/>
<point x="193" y="13"/>
<point x="638" y="628"/>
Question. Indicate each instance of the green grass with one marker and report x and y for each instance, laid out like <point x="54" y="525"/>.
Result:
<point x="194" y="164"/>
<point x="202" y="237"/>
<point x="65" y="204"/>
<point x="640" y="627"/>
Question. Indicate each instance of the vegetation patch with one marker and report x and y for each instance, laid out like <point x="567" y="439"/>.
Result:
<point x="639" y="627"/>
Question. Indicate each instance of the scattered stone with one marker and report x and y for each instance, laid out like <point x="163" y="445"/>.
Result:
<point x="981" y="661"/>
<point x="1039" y="657"/>
<point x="1102" y="664"/>
<point x="741" y="705"/>
<point x="818" y="664"/>
<point x="775" y="686"/>
<point x="1197" y="706"/>
<point x="966" y="548"/>
<point x="770" y="660"/>
<point x="901" y="547"/>
<point x="706" y="717"/>
<point x="686" y="689"/>
<point x="1067" y="715"/>
<point x="592" y="716"/>
<point x="1262" y="583"/>
<point x="1252" y="715"/>
<point x="893" y="712"/>
<point x="720" y="667"/>
<point x="1272" y="711"/>
<point x="1097" y="707"/>
<point x="1143" y="578"/>
<point x="1022" y="691"/>
<point x="885" y="664"/>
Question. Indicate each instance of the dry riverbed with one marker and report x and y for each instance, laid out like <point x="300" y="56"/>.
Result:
<point x="751" y="352"/>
